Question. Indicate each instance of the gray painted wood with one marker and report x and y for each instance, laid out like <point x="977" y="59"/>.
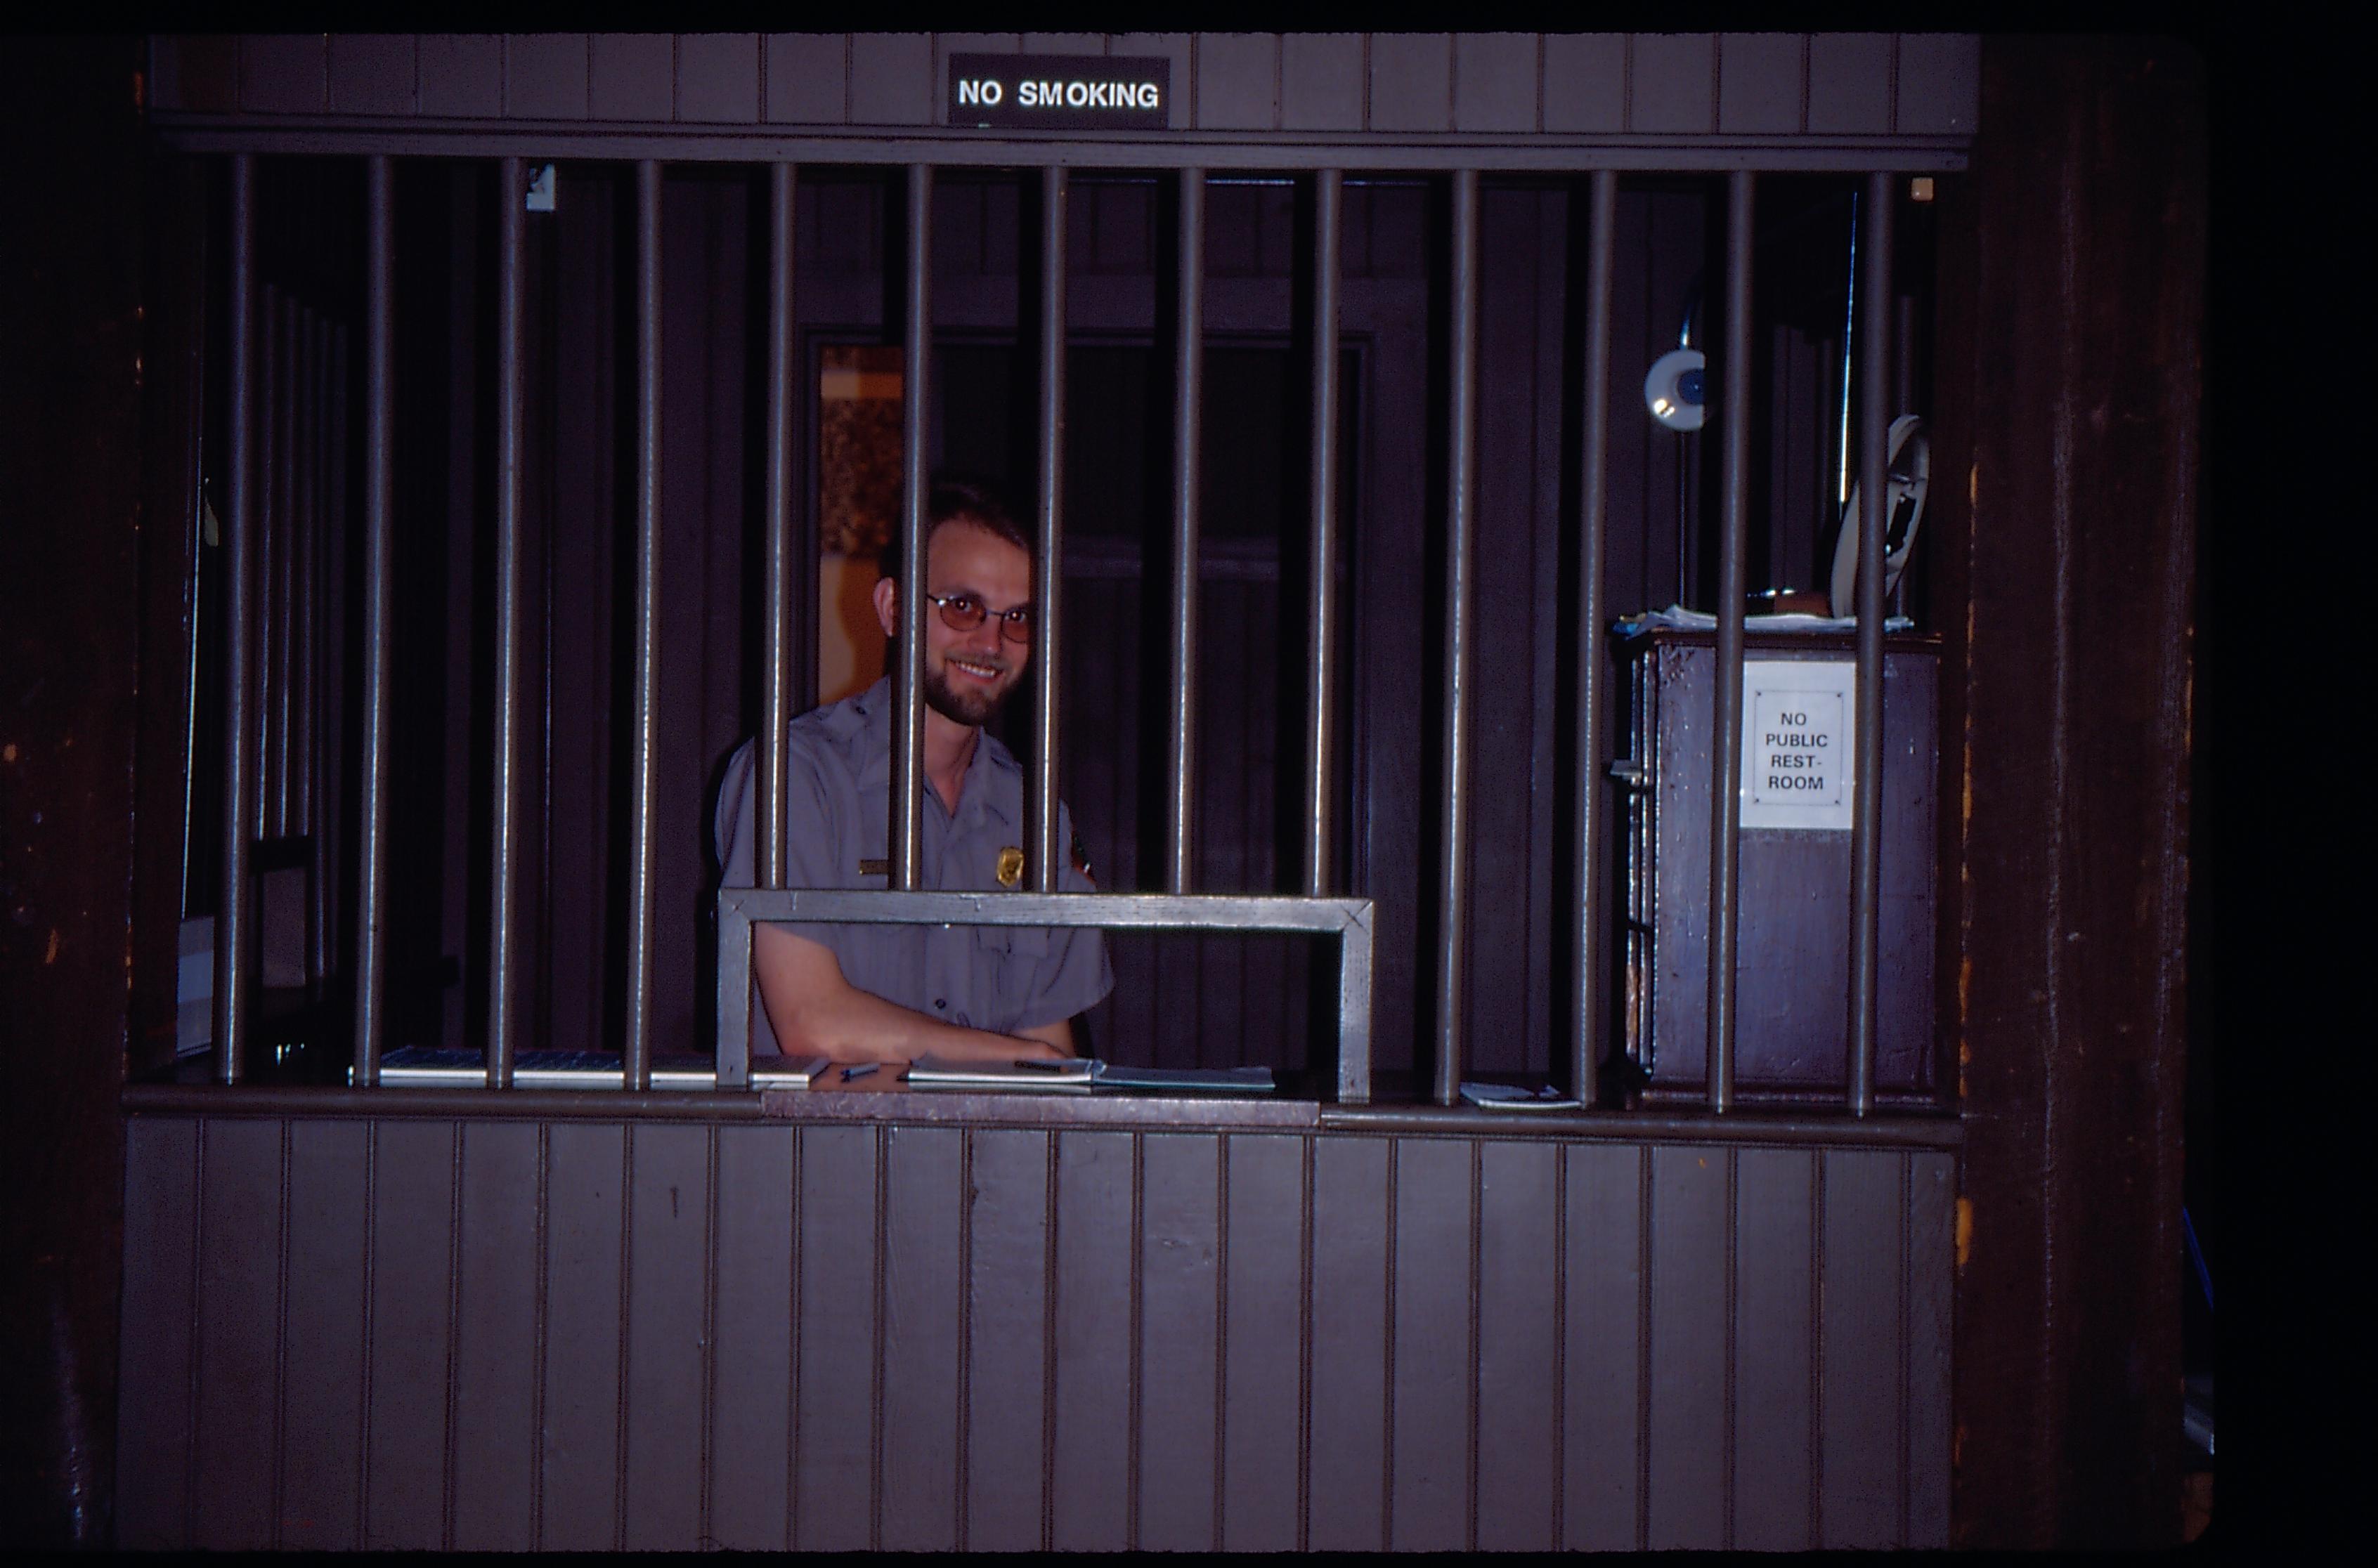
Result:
<point x="1323" y="81"/>
<point x="1092" y="1319"/>
<point x="1534" y="1297"/>
<point x="664" y="1409"/>
<point x="1585" y="82"/>
<point x="629" y="76"/>
<point x="462" y="75"/>
<point x="545" y="76"/>
<point x="1932" y="1275"/>
<point x="585" y="1247"/>
<point x="1010" y="1267"/>
<point x="1238" y="81"/>
<point x="1263" y="1335"/>
<point x="1517" y="1396"/>
<point x="891" y="82"/>
<point x="1605" y="1288"/>
<point x="808" y="78"/>
<point x="1495" y="77"/>
<point x="1859" y="1446"/>
<point x="1433" y="1330"/>
<point x="1412" y="81"/>
<point x="750" y="1431"/>
<point x="1774" y="1314"/>
<point x="1181" y="1298"/>
<point x="1761" y="80"/>
<point x="1939" y="81"/>
<point x="161" y="1241"/>
<point x="718" y="77"/>
<point x="1346" y="1490"/>
<point x="1689" y="1367"/>
<point x="496" y="1338"/>
<point x="924" y="1298"/>
<point x="283" y="73"/>
<point x="374" y="73"/>
<point x="1672" y="83"/>
<point x="409" y="1337"/>
<point x="1849" y="83"/>
<point x="833" y="1433"/>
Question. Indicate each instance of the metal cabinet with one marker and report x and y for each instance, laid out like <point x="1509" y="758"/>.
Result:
<point x="1792" y="957"/>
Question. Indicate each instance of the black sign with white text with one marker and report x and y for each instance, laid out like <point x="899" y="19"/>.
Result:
<point x="1060" y="93"/>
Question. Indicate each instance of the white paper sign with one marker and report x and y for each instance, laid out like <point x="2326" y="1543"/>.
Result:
<point x="1798" y="724"/>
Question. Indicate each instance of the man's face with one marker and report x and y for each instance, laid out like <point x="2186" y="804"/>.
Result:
<point x="969" y="674"/>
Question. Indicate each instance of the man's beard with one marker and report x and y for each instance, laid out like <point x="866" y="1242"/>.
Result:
<point x="971" y="707"/>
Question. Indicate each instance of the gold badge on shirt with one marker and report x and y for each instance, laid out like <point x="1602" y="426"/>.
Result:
<point x="1011" y="867"/>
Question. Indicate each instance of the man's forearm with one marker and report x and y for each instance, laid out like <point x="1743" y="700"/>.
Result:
<point x="815" y="1012"/>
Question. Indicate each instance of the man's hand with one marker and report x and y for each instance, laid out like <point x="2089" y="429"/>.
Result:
<point x="815" y="1012"/>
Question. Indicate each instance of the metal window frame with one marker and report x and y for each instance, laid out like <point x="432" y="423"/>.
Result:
<point x="1350" y="919"/>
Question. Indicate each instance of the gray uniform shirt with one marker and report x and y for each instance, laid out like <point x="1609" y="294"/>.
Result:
<point x="838" y="801"/>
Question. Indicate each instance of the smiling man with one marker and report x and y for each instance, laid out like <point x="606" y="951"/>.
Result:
<point x="892" y="993"/>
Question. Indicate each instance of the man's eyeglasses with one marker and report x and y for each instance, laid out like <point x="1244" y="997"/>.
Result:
<point x="964" y="612"/>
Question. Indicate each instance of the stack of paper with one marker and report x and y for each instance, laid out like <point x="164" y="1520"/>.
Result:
<point x="1506" y="1097"/>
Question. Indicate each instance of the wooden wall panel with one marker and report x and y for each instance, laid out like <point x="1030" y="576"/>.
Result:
<point x="1516" y="1489"/>
<point x="1433" y="1342"/>
<point x="1774" y="1316"/>
<point x="1761" y="80"/>
<point x="158" y="1346"/>
<point x="890" y="79"/>
<point x="495" y="1332"/>
<point x="462" y="75"/>
<point x="1238" y="81"/>
<point x="1939" y="82"/>
<point x="1606" y="1274"/>
<point x="834" y="1432"/>
<point x="1264" y="1331"/>
<point x="1495" y="77"/>
<point x="1094" y="1322"/>
<point x="1585" y="82"/>
<point x="1860" y="1497"/>
<point x="545" y="76"/>
<point x="1672" y="83"/>
<point x="236" y="1434"/>
<point x="663" y="1411"/>
<point x="751" y="1362"/>
<point x="409" y="1334"/>
<point x="374" y="73"/>
<point x="630" y="76"/>
<point x="808" y="76"/>
<point x="284" y="73"/>
<point x="1180" y="1283"/>
<point x="923" y="1322"/>
<point x="718" y="77"/>
<point x="1412" y="82"/>
<point x="1346" y="1497"/>
<point x="1690" y="1365"/>
<point x="585" y="1267"/>
<point x="1005" y="1389"/>
<point x="1849" y="83"/>
<point x="1502" y="1343"/>
<point x="1323" y="81"/>
<point x="322" y="1355"/>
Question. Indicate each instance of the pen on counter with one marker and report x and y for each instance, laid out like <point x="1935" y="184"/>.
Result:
<point x="861" y="1070"/>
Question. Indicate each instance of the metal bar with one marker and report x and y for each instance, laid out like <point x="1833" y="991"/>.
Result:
<point x="380" y="496"/>
<point x="282" y="471"/>
<point x="1188" y="394"/>
<point x="1734" y="507"/>
<point x="638" y="1066"/>
<point x="784" y="582"/>
<point x="305" y="462"/>
<point x="1048" y="855"/>
<point x="1321" y="696"/>
<point x="1593" y="739"/>
<point x="331" y="713"/>
<point x="909" y="709"/>
<point x="1461" y="497"/>
<point x="1866" y="832"/>
<point x="506" y="943"/>
<point x="235" y="910"/>
<point x="268" y="547"/>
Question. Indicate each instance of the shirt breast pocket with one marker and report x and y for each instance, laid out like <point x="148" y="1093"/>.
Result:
<point x="1008" y="961"/>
